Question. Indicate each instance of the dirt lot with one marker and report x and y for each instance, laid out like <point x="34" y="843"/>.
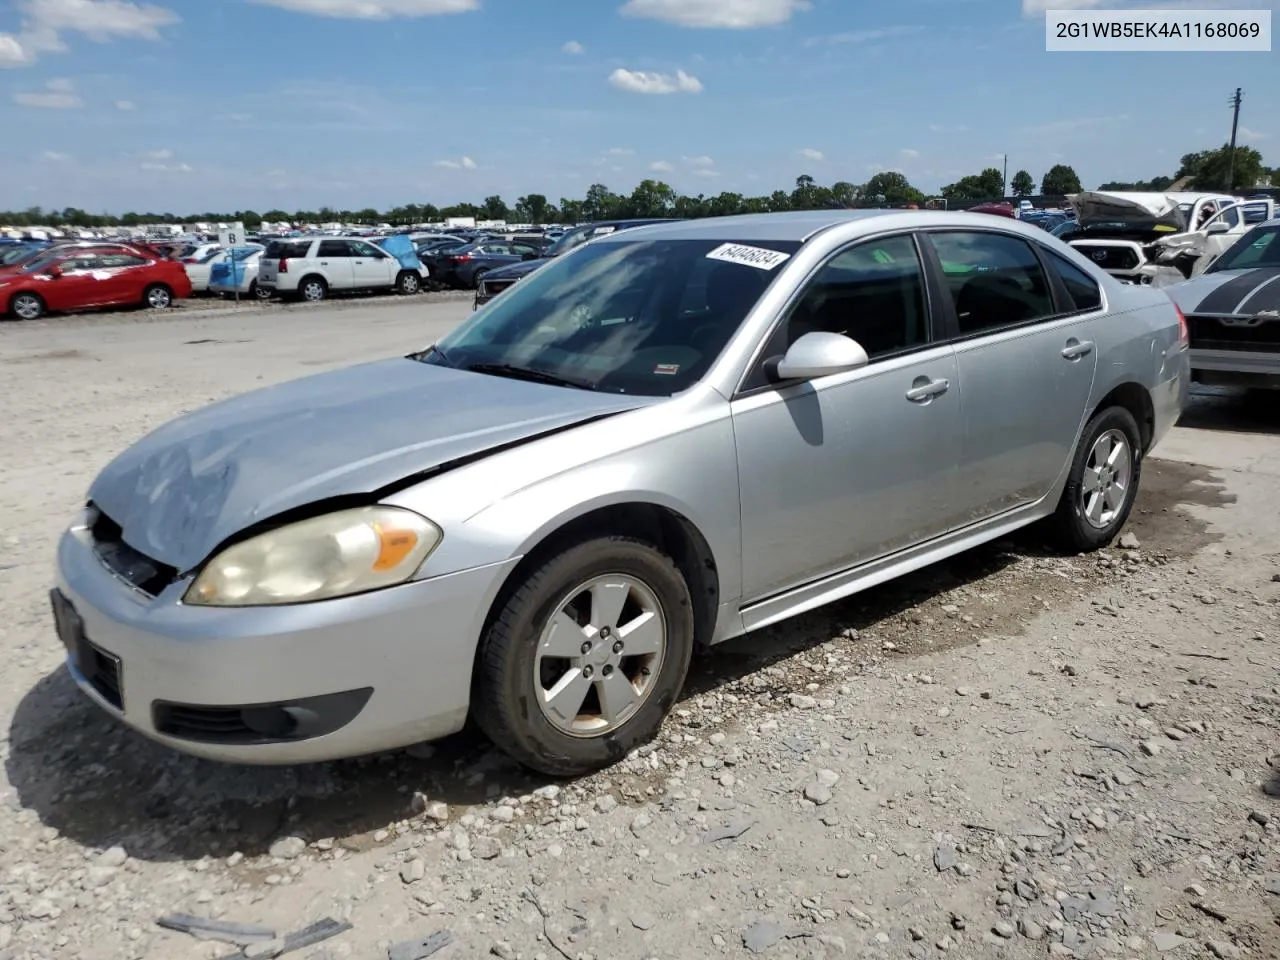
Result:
<point x="1012" y="754"/>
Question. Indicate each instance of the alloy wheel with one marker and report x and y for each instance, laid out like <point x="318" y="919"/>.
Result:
<point x="26" y="307"/>
<point x="1104" y="486"/>
<point x="599" y="655"/>
<point x="159" y="298"/>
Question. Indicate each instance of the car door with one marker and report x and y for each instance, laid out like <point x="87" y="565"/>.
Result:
<point x="1026" y="357"/>
<point x="372" y="267"/>
<point x="74" y="285"/>
<point x="838" y="471"/>
<point x="335" y="258"/>
<point x="123" y="277"/>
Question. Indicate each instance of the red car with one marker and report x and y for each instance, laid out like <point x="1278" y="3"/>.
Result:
<point x="82" y="278"/>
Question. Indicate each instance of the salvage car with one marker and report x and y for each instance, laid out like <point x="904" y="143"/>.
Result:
<point x="499" y="279"/>
<point x="1128" y="233"/>
<point x="238" y="274"/>
<point x="642" y="448"/>
<point x="74" y="278"/>
<point x="1233" y="313"/>
<point x="309" y="268"/>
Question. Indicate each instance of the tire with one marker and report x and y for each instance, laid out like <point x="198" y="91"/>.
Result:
<point x="517" y="664"/>
<point x="408" y="283"/>
<point x="312" y="289"/>
<point x="477" y="277"/>
<point x="157" y="297"/>
<point x="26" y="306"/>
<point x="1086" y="518"/>
<point x="257" y="293"/>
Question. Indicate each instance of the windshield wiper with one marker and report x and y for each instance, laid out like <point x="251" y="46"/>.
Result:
<point x="529" y="373"/>
<point x="422" y="355"/>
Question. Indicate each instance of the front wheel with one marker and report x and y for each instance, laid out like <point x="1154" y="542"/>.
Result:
<point x="26" y="306"/>
<point x="1103" y="482"/>
<point x="586" y="657"/>
<point x="408" y="282"/>
<point x="157" y="297"/>
<point x="476" y="278"/>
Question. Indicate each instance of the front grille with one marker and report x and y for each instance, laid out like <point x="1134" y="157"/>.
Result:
<point x="1112" y="258"/>
<point x="134" y="568"/>
<point x="102" y="670"/>
<point x="1215" y="333"/>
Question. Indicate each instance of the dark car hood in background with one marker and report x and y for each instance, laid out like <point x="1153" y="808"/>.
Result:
<point x="186" y="487"/>
<point x="514" y="271"/>
<point x="1247" y="293"/>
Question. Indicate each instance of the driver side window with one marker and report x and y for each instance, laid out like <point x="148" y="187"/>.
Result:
<point x="872" y="292"/>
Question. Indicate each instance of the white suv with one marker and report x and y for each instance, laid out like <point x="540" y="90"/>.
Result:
<point x="308" y="268"/>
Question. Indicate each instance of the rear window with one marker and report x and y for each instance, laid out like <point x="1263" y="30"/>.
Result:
<point x="287" y="249"/>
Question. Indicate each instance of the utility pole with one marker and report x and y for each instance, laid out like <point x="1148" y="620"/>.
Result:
<point x="1235" y="122"/>
<point x="1004" y="178"/>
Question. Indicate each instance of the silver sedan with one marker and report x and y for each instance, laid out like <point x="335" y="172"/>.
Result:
<point x="667" y="438"/>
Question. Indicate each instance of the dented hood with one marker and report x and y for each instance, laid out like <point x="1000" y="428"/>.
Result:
<point x="183" y="489"/>
<point x="1153" y="211"/>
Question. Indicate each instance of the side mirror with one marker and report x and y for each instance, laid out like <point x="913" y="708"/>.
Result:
<point x="531" y="255"/>
<point x="1218" y="226"/>
<point x="820" y="354"/>
<point x="53" y="272"/>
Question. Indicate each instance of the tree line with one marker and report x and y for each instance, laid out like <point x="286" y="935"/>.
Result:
<point x="1207" y="170"/>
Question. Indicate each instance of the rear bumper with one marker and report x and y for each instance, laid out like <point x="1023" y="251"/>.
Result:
<point x="1245" y="368"/>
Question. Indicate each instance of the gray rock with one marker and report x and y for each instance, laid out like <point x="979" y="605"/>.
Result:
<point x="1026" y="890"/>
<point x="264" y="950"/>
<point x="761" y="936"/>
<point x="485" y="848"/>
<point x="817" y="793"/>
<point x="503" y="814"/>
<point x="113" y="857"/>
<point x="944" y="858"/>
<point x="288" y="848"/>
<point x="1129" y="542"/>
<point x="1260" y="818"/>
<point x="802" y="702"/>
<point x="1030" y="929"/>
<point x="643" y="921"/>
<point x="413" y="871"/>
<point x="606" y="804"/>
<point x="1272" y="885"/>
<point x="1003" y="929"/>
<point x="1150" y="748"/>
<point x="1164" y="941"/>
<point x="1223" y="949"/>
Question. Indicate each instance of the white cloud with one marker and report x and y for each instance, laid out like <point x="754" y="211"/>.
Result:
<point x="59" y="94"/>
<point x="13" y="53"/>
<point x="44" y="22"/>
<point x="641" y="81"/>
<point x="620" y="152"/>
<point x="159" y="154"/>
<point x="462" y="163"/>
<point x="374" y="9"/>
<point x="724" y="14"/>
<point x="944" y="128"/>
<point x="1249" y="136"/>
<point x="707" y="173"/>
<point x="811" y="154"/>
<point x="909" y="153"/>
<point x="573" y="47"/>
<point x="661" y="166"/>
<point x="54" y="156"/>
<point x="126" y="105"/>
<point x="703" y="161"/>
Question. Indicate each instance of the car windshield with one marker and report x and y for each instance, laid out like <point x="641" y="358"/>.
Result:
<point x="645" y="317"/>
<point x="1260" y="247"/>
<point x="14" y="255"/>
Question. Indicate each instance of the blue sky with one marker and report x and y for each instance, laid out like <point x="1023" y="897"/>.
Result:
<point x="180" y="105"/>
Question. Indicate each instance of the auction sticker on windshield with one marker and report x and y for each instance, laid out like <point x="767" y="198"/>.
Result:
<point x="756" y="257"/>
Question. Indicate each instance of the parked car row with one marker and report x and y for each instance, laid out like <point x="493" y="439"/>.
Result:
<point x="79" y="275"/>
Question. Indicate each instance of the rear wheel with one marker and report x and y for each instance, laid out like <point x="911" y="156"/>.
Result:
<point x="313" y="289"/>
<point x="586" y="657"/>
<point x="1103" y="482"/>
<point x="26" y="306"/>
<point x="257" y="292"/>
<point x="477" y="277"/>
<point x="157" y="297"/>
<point x="408" y="282"/>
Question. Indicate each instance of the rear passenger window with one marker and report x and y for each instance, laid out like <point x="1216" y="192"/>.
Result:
<point x="334" y="248"/>
<point x="1084" y="291"/>
<point x="995" y="280"/>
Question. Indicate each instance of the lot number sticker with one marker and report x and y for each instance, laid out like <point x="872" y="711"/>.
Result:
<point x="747" y="256"/>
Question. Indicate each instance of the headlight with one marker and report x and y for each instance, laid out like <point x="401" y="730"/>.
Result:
<point x="347" y="552"/>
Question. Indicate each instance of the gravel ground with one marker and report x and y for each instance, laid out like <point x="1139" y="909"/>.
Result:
<point x="1011" y="754"/>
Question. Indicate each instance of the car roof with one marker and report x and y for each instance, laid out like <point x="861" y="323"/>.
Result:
<point x="800" y="225"/>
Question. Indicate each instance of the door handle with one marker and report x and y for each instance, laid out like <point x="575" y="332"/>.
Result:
<point x="324" y="263"/>
<point x="924" y="392"/>
<point x="1075" y="349"/>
